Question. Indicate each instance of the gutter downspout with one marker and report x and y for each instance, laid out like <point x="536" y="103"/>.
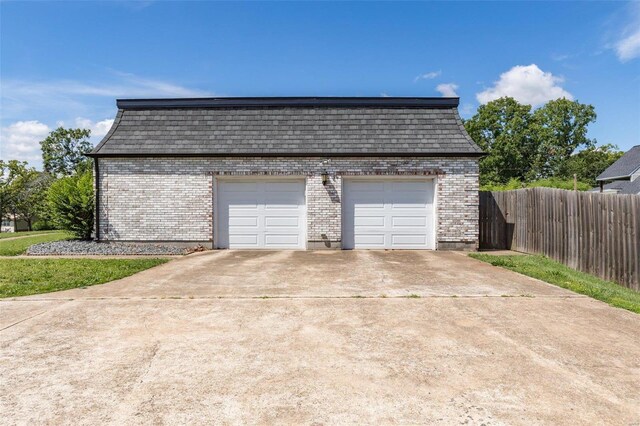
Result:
<point x="601" y="187"/>
<point x="96" y="168"/>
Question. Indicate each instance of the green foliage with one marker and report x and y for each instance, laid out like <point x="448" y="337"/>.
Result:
<point x="560" y="128"/>
<point x="22" y="191"/>
<point x="502" y="129"/>
<point x="523" y="145"/>
<point x="558" y="183"/>
<point x="70" y="201"/>
<point x="63" y="151"/>
<point x="553" y="272"/>
<point x="43" y="224"/>
<point x="20" y="245"/>
<point x="540" y="183"/>
<point x="513" y="183"/>
<point x="589" y="163"/>
<point x="22" y="277"/>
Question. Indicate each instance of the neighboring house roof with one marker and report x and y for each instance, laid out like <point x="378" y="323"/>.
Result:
<point x="621" y="187"/>
<point x="624" y="167"/>
<point x="287" y="127"/>
<point x="631" y="187"/>
<point x="616" y="186"/>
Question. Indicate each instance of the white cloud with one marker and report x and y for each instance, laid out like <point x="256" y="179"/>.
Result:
<point x="427" y="76"/>
<point x="80" y="98"/>
<point x="447" y="89"/>
<point x="629" y="47"/>
<point x="527" y="84"/>
<point x="59" y="101"/>
<point x="98" y="129"/>
<point x="467" y="110"/>
<point x="627" y="43"/>
<point x="21" y="141"/>
<point x="128" y="85"/>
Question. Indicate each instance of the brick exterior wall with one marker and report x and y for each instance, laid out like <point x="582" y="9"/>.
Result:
<point x="171" y="199"/>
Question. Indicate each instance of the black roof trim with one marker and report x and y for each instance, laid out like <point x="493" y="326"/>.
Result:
<point x="302" y="154"/>
<point x="271" y="102"/>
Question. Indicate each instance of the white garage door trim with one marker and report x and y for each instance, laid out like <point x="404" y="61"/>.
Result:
<point x="377" y="221"/>
<point x="259" y="234"/>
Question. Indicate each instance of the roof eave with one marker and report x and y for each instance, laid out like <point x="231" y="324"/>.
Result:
<point x="294" y="155"/>
<point x="604" y="179"/>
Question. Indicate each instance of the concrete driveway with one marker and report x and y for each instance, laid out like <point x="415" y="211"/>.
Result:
<point x="319" y="337"/>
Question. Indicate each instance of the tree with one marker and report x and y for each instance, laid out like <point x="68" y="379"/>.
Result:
<point x="4" y="190"/>
<point x="63" y="151"/>
<point x="589" y="163"/>
<point x="22" y="191"/>
<point x="526" y="146"/>
<point x="560" y="128"/>
<point x="70" y="201"/>
<point x="502" y="129"/>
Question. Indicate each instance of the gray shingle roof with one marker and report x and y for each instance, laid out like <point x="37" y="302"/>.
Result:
<point x="621" y="186"/>
<point x="631" y="187"/>
<point x="624" y="167"/>
<point x="321" y="126"/>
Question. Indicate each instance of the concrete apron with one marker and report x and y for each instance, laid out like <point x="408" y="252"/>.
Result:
<point x="264" y="273"/>
<point x="128" y="352"/>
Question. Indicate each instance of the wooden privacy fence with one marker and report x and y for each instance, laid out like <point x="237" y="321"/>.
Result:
<point x="589" y="231"/>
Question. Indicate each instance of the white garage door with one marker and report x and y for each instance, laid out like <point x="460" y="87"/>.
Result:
<point x="261" y="214"/>
<point x="388" y="214"/>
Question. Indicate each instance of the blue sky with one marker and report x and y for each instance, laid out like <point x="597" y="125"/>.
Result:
<point x="67" y="62"/>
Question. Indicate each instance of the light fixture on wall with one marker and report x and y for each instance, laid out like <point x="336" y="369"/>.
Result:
<point x="325" y="176"/>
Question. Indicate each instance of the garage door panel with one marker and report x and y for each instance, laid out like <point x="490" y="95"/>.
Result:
<point x="404" y="207"/>
<point x="282" y="240"/>
<point x="243" y="209"/>
<point x="369" y="241"/>
<point x="407" y="186"/>
<point x="243" y="221"/>
<point x="364" y="187"/>
<point x="388" y="213"/>
<point x="282" y="221"/>
<point x="236" y="187"/>
<point x="261" y="214"/>
<point x="408" y="239"/>
<point x="369" y="221"/>
<point x="243" y="240"/>
<point x="284" y="187"/>
<point x="282" y="206"/>
<point x="410" y="221"/>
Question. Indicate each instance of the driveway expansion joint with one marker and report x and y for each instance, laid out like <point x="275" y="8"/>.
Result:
<point x="187" y="298"/>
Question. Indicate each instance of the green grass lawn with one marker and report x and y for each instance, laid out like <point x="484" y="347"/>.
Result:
<point x="22" y="277"/>
<point x="553" y="272"/>
<point x="19" y="246"/>
<point x="4" y="235"/>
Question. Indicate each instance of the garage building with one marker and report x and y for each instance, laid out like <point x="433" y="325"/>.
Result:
<point x="289" y="173"/>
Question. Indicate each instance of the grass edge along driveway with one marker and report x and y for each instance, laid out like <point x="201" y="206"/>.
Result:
<point x="23" y="277"/>
<point x="19" y="234"/>
<point x="20" y="245"/>
<point x="552" y="272"/>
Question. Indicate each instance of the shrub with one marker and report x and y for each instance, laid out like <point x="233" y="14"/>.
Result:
<point x="558" y="183"/>
<point x="70" y="201"/>
<point x="43" y="225"/>
<point x="544" y="183"/>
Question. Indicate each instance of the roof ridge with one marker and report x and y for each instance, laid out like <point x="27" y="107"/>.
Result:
<point x="294" y="102"/>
